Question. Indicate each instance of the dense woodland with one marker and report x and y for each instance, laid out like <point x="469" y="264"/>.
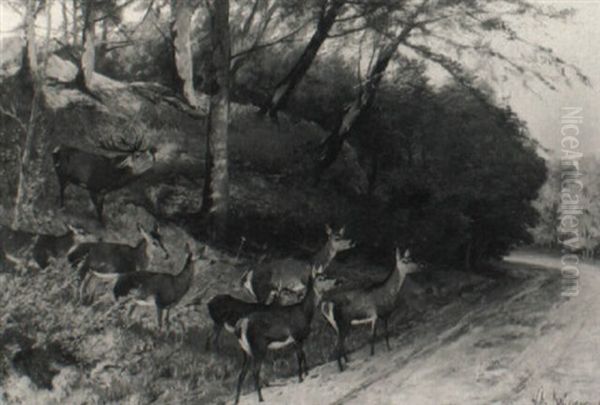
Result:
<point x="266" y="120"/>
<point x="447" y="169"/>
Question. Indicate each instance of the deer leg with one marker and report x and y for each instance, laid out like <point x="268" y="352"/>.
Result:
<point x="216" y="332"/>
<point x="159" y="317"/>
<point x="343" y="345"/>
<point x="304" y="360"/>
<point x="242" y="377"/>
<point x="98" y="200"/>
<point x="167" y="322"/>
<point x="256" y="364"/>
<point x="373" y="335"/>
<point x="387" y="333"/>
<point x="299" y="357"/>
<point x="341" y="352"/>
<point x="61" y="190"/>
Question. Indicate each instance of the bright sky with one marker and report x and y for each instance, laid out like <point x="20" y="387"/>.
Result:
<point x="577" y="41"/>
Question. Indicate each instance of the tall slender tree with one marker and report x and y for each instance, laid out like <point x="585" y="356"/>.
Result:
<point x="30" y="72"/>
<point x="216" y="182"/>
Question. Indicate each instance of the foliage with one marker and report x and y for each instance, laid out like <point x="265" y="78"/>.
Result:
<point x="548" y="204"/>
<point x="455" y="176"/>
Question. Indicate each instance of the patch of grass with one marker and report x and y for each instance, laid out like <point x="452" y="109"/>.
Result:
<point x="557" y="399"/>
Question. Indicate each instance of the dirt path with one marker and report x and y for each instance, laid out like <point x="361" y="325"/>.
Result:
<point x="501" y="345"/>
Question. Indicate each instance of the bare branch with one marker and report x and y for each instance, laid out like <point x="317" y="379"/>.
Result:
<point x="256" y="47"/>
<point x="12" y="113"/>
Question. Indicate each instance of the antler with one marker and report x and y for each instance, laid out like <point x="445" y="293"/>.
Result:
<point x="123" y="145"/>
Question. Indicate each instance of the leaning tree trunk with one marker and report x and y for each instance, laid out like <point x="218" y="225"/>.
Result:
<point x="216" y="181"/>
<point x="286" y="86"/>
<point x="333" y="143"/>
<point x="181" y="56"/>
<point x="83" y="80"/>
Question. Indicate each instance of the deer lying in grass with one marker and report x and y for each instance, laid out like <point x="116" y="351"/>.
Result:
<point x="107" y="260"/>
<point x="289" y="274"/>
<point x="101" y="174"/>
<point x="275" y="327"/>
<point x="226" y="310"/>
<point x="43" y="247"/>
<point x="162" y="290"/>
<point x="366" y="305"/>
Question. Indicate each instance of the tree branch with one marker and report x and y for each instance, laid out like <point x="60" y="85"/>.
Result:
<point x="12" y="113"/>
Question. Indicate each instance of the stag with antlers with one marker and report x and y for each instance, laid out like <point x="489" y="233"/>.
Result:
<point x="100" y="174"/>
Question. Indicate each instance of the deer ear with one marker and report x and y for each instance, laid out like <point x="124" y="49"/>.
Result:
<point x="342" y="230"/>
<point x="328" y="229"/>
<point x="406" y="253"/>
<point x="398" y="257"/>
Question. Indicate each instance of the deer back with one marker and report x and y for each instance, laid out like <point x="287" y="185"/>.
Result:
<point x="98" y="172"/>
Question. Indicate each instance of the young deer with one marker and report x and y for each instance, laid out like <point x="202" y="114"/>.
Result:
<point x="274" y="327"/>
<point x="226" y="310"/>
<point x="43" y="247"/>
<point x="52" y="246"/>
<point x="366" y="305"/>
<point x="163" y="290"/>
<point x="107" y="260"/>
<point x="101" y="174"/>
<point x="289" y="274"/>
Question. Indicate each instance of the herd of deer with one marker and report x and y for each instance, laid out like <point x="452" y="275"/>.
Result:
<point x="286" y="292"/>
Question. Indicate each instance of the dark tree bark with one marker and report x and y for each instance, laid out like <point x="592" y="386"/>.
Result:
<point x="216" y="182"/>
<point x="286" y="86"/>
<point x="333" y="143"/>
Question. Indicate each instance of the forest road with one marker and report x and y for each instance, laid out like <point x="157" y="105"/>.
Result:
<point x="508" y="344"/>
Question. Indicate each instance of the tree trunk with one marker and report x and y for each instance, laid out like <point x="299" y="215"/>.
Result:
<point x="286" y="86"/>
<point x="23" y="209"/>
<point x="333" y="143"/>
<point x="181" y="57"/>
<point x="103" y="46"/>
<point x="75" y="24"/>
<point x="88" y="58"/>
<point x="65" y="21"/>
<point x="216" y="181"/>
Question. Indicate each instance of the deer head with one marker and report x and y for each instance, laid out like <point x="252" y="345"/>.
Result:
<point x="337" y="240"/>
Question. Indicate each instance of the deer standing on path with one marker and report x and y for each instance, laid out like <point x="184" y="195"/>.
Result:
<point x="344" y="309"/>
<point x="275" y="327"/>
<point x="226" y="310"/>
<point x="291" y="275"/>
